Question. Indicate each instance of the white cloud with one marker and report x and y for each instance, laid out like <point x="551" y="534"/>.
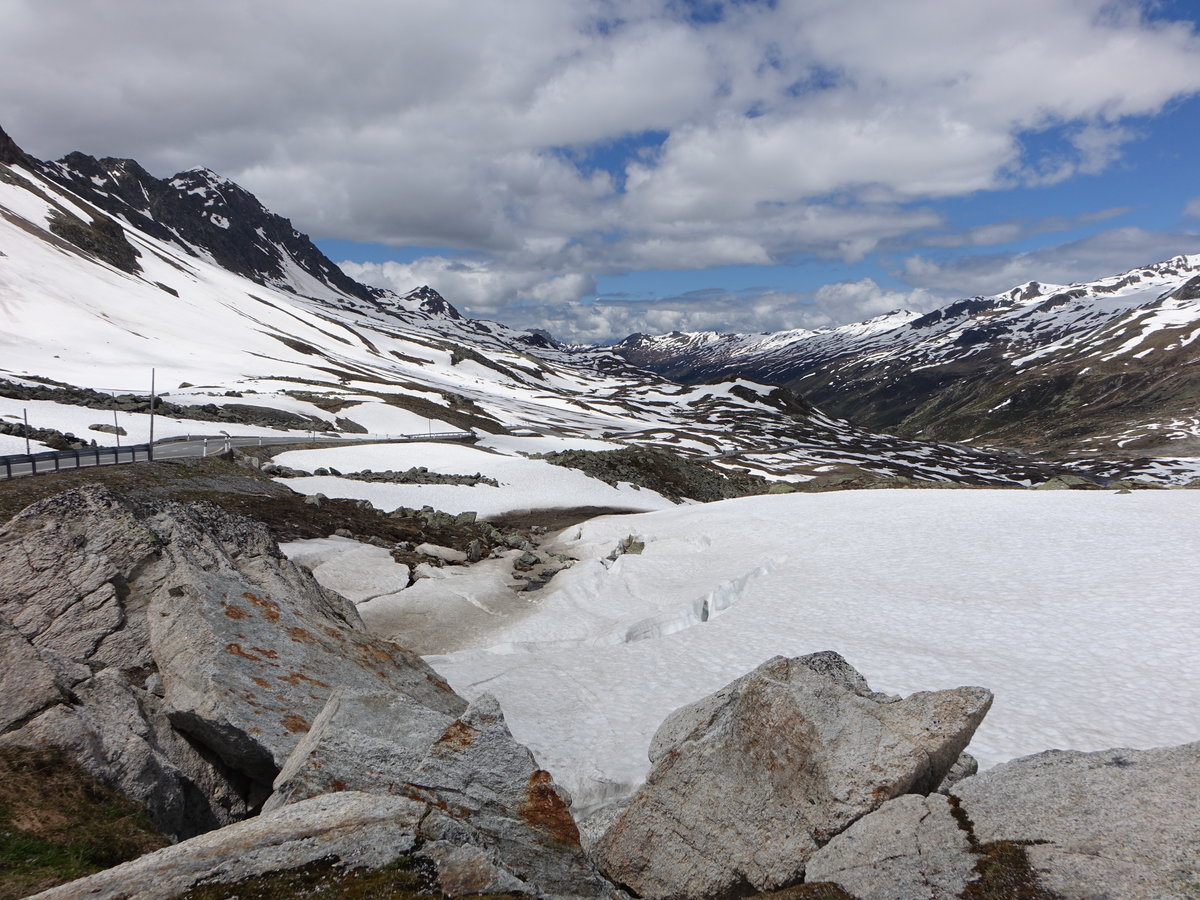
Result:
<point x="1108" y="253"/>
<point x="792" y="129"/>
<point x="607" y="319"/>
<point x="1192" y="209"/>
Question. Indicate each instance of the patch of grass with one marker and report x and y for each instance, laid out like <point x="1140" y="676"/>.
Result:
<point x="329" y="878"/>
<point x="1004" y="873"/>
<point x="168" y="479"/>
<point x="58" y="823"/>
<point x="660" y="470"/>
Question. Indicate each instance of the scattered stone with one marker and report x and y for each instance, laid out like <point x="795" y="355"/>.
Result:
<point x="747" y="783"/>
<point x="445" y="554"/>
<point x="964" y="767"/>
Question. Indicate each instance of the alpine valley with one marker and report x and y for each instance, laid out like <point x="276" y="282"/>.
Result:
<point x="469" y="611"/>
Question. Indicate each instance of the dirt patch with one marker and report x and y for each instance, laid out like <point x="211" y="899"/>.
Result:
<point x="58" y="823"/>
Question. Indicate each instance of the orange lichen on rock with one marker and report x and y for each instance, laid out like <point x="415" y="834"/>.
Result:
<point x="544" y="809"/>
<point x="295" y="724"/>
<point x="295" y="678"/>
<point x="459" y="736"/>
<point x="269" y="607"/>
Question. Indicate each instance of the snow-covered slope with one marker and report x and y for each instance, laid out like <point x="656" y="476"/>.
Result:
<point x="91" y="301"/>
<point x="1110" y="363"/>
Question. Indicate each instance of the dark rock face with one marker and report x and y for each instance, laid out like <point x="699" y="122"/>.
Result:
<point x="199" y="209"/>
<point x="11" y="154"/>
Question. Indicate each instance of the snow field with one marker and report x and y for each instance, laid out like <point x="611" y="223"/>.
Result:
<point x="1076" y="609"/>
<point x="525" y="484"/>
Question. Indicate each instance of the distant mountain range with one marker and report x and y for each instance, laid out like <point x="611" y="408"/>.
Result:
<point x="1113" y="364"/>
<point x="107" y="271"/>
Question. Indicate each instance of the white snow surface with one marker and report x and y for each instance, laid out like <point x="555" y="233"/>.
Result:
<point x="525" y="484"/>
<point x="1077" y="609"/>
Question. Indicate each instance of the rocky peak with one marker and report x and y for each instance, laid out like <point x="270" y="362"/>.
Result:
<point x="200" y="211"/>
<point x="432" y="302"/>
<point x="10" y="153"/>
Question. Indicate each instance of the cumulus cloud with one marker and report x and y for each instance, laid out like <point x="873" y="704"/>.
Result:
<point x="1013" y="230"/>
<point x="1107" y="253"/>
<point x="787" y="130"/>
<point x="610" y="319"/>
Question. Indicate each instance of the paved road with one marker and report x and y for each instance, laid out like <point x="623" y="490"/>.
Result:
<point x="197" y="447"/>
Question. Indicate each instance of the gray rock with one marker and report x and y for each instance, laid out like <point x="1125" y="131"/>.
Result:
<point x="360" y="742"/>
<point x="499" y="820"/>
<point x="360" y="830"/>
<point x="1117" y="824"/>
<point x="120" y="734"/>
<point x="746" y="784"/>
<point x="250" y="646"/>
<point x="174" y="652"/>
<point x="27" y="683"/>
<point x="911" y="848"/>
<point x="76" y="574"/>
<point x="964" y="767"/>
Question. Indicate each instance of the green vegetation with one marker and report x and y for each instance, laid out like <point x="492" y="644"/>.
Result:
<point x="58" y="823"/>
<point x="660" y="470"/>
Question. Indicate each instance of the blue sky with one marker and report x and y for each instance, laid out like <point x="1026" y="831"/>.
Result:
<point x="597" y="167"/>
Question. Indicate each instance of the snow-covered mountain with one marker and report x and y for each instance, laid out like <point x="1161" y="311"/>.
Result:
<point x="1113" y="363"/>
<point x="107" y="272"/>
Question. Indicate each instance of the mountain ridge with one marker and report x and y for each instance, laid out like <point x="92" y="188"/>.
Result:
<point x="1107" y="364"/>
<point x="379" y="364"/>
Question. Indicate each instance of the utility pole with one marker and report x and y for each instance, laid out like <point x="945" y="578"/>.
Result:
<point x="150" y="446"/>
<point x="116" y="427"/>
<point x="25" y="413"/>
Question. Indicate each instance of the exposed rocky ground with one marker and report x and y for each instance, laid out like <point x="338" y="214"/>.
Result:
<point x="667" y="473"/>
<point x="170" y="651"/>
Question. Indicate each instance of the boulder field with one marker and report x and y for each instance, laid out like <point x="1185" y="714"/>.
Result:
<point x="175" y="654"/>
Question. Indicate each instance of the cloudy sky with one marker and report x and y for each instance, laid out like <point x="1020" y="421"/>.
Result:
<point x="598" y="167"/>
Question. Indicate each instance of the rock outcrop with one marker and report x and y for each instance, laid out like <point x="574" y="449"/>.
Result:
<point x="1059" y="825"/>
<point x="177" y="655"/>
<point x="77" y="575"/>
<point x="1118" y="824"/>
<point x="748" y="783"/>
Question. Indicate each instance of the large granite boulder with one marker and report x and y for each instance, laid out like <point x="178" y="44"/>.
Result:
<point x="496" y="820"/>
<point x="1110" y="825"/>
<point x="748" y="783"/>
<point x="77" y="573"/>
<point x="250" y="646"/>
<point x="174" y="652"/>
